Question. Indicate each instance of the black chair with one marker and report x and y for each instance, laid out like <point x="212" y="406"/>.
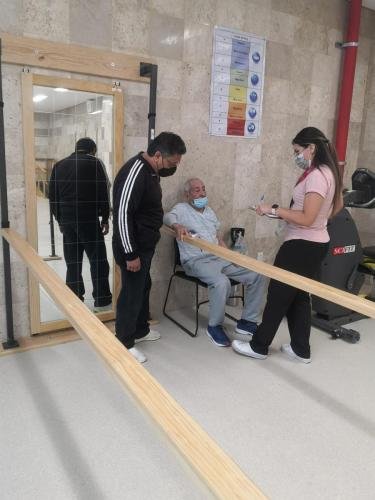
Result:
<point x="178" y="272"/>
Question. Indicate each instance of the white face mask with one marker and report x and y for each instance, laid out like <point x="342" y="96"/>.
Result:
<point x="301" y="161"/>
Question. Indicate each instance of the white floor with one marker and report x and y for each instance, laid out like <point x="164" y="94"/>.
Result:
<point x="69" y="431"/>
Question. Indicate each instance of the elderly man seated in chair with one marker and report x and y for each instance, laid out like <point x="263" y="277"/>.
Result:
<point x="195" y="217"/>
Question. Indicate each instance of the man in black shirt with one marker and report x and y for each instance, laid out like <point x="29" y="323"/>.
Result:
<point x="78" y="193"/>
<point x="137" y="218"/>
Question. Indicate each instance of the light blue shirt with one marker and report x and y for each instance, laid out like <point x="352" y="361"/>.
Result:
<point x="205" y="224"/>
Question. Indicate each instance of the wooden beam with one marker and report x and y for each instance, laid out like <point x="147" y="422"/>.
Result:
<point x="217" y="470"/>
<point x="40" y="341"/>
<point x="345" y="299"/>
<point x="72" y="58"/>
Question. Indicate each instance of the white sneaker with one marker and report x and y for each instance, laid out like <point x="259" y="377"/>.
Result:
<point x="287" y="349"/>
<point x="138" y="355"/>
<point x="152" y="335"/>
<point x="245" y="349"/>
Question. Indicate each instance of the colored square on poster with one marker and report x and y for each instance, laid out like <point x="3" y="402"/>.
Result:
<point x="240" y="47"/>
<point x="237" y="110"/>
<point x="235" y="127"/>
<point x="239" y="77"/>
<point x="237" y="94"/>
<point x="238" y="62"/>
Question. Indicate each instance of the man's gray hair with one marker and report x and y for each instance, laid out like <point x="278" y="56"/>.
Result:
<point x="187" y="184"/>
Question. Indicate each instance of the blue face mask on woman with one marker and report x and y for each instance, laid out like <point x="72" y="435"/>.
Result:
<point x="200" y="202"/>
<point x="301" y="161"/>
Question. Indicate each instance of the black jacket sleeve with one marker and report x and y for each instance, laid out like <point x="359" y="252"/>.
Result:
<point x="102" y="194"/>
<point x="129" y="198"/>
<point x="53" y="194"/>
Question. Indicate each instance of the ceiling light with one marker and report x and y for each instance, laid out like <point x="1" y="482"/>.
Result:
<point x="60" y="89"/>
<point x="96" y="112"/>
<point x="39" y="97"/>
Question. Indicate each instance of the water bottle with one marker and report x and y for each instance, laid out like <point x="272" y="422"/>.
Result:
<point x="240" y="244"/>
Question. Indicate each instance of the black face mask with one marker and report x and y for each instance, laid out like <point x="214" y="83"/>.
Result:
<point x="166" y="172"/>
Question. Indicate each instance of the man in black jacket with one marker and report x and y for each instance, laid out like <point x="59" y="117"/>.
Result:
<point x="78" y="193"/>
<point x="137" y="218"/>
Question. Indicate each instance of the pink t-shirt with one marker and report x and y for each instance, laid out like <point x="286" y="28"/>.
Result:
<point x="320" y="181"/>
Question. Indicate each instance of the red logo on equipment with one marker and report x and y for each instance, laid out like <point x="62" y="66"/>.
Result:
<point x="342" y="250"/>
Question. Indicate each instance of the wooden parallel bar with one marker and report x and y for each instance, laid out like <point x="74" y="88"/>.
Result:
<point x="220" y="473"/>
<point x="345" y="299"/>
<point x="68" y="57"/>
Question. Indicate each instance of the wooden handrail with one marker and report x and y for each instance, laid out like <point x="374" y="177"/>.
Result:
<point x="220" y="473"/>
<point x="345" y="299"/>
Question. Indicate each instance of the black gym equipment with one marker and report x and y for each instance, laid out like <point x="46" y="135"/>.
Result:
<point x="346" y="262"/>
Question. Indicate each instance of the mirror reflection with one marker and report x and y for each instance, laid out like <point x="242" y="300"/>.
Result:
<point x="74" y="171"/>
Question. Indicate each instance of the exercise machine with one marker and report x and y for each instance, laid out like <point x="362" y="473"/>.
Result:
<point x="346" y="263"/>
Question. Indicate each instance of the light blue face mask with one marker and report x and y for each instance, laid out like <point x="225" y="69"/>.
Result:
<point x="301" y="161"/>
<point x="200" y="202"/>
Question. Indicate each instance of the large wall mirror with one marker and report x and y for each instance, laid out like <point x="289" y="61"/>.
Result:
<point x="57" y="113"/>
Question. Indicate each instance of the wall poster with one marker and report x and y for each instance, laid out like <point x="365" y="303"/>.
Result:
<point x="237" y="82"/>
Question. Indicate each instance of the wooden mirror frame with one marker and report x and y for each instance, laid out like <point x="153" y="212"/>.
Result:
<point x="28" y="81"/>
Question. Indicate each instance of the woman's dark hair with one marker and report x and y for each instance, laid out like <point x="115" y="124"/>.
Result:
<point x="168" y="144"/>
<point x="325" y="154"/>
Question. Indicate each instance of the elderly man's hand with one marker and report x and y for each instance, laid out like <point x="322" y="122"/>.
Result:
<point x="180" y="231"/>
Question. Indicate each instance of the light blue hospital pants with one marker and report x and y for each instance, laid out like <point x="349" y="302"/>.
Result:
<point x="216" y="273"/>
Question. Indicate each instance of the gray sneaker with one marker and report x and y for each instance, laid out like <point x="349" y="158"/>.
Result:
<point x="152" y="335"/>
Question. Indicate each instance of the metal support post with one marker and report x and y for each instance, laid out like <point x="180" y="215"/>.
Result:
<point x="151" y="71"/>
<point x="10" y="342"/>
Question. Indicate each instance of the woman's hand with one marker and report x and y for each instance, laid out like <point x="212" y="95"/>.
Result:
<point x="264" y="209"/>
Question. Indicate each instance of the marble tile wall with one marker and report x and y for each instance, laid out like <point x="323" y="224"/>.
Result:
<point x="301" y="87"/>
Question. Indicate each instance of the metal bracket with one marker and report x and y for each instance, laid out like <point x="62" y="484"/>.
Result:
<point x="145" y="69"/>
<point x="26" y="69"/>
<point x="344" y="45"/>
<point x="116" y="86"/>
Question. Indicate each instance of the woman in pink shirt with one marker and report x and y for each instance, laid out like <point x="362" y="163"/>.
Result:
<point x="316" y="197"/>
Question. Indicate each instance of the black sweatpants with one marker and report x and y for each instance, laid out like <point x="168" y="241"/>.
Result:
<point x="133" y="302"/>
<point x="86" y="237"/>
<point x="302" y="257"/>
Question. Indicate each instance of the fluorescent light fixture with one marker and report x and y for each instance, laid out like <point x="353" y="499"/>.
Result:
<point x="96" y="112"/>
<point x="60" y="89"/>
<point x="107" y="101"/>
<point x="39" y="97"/>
